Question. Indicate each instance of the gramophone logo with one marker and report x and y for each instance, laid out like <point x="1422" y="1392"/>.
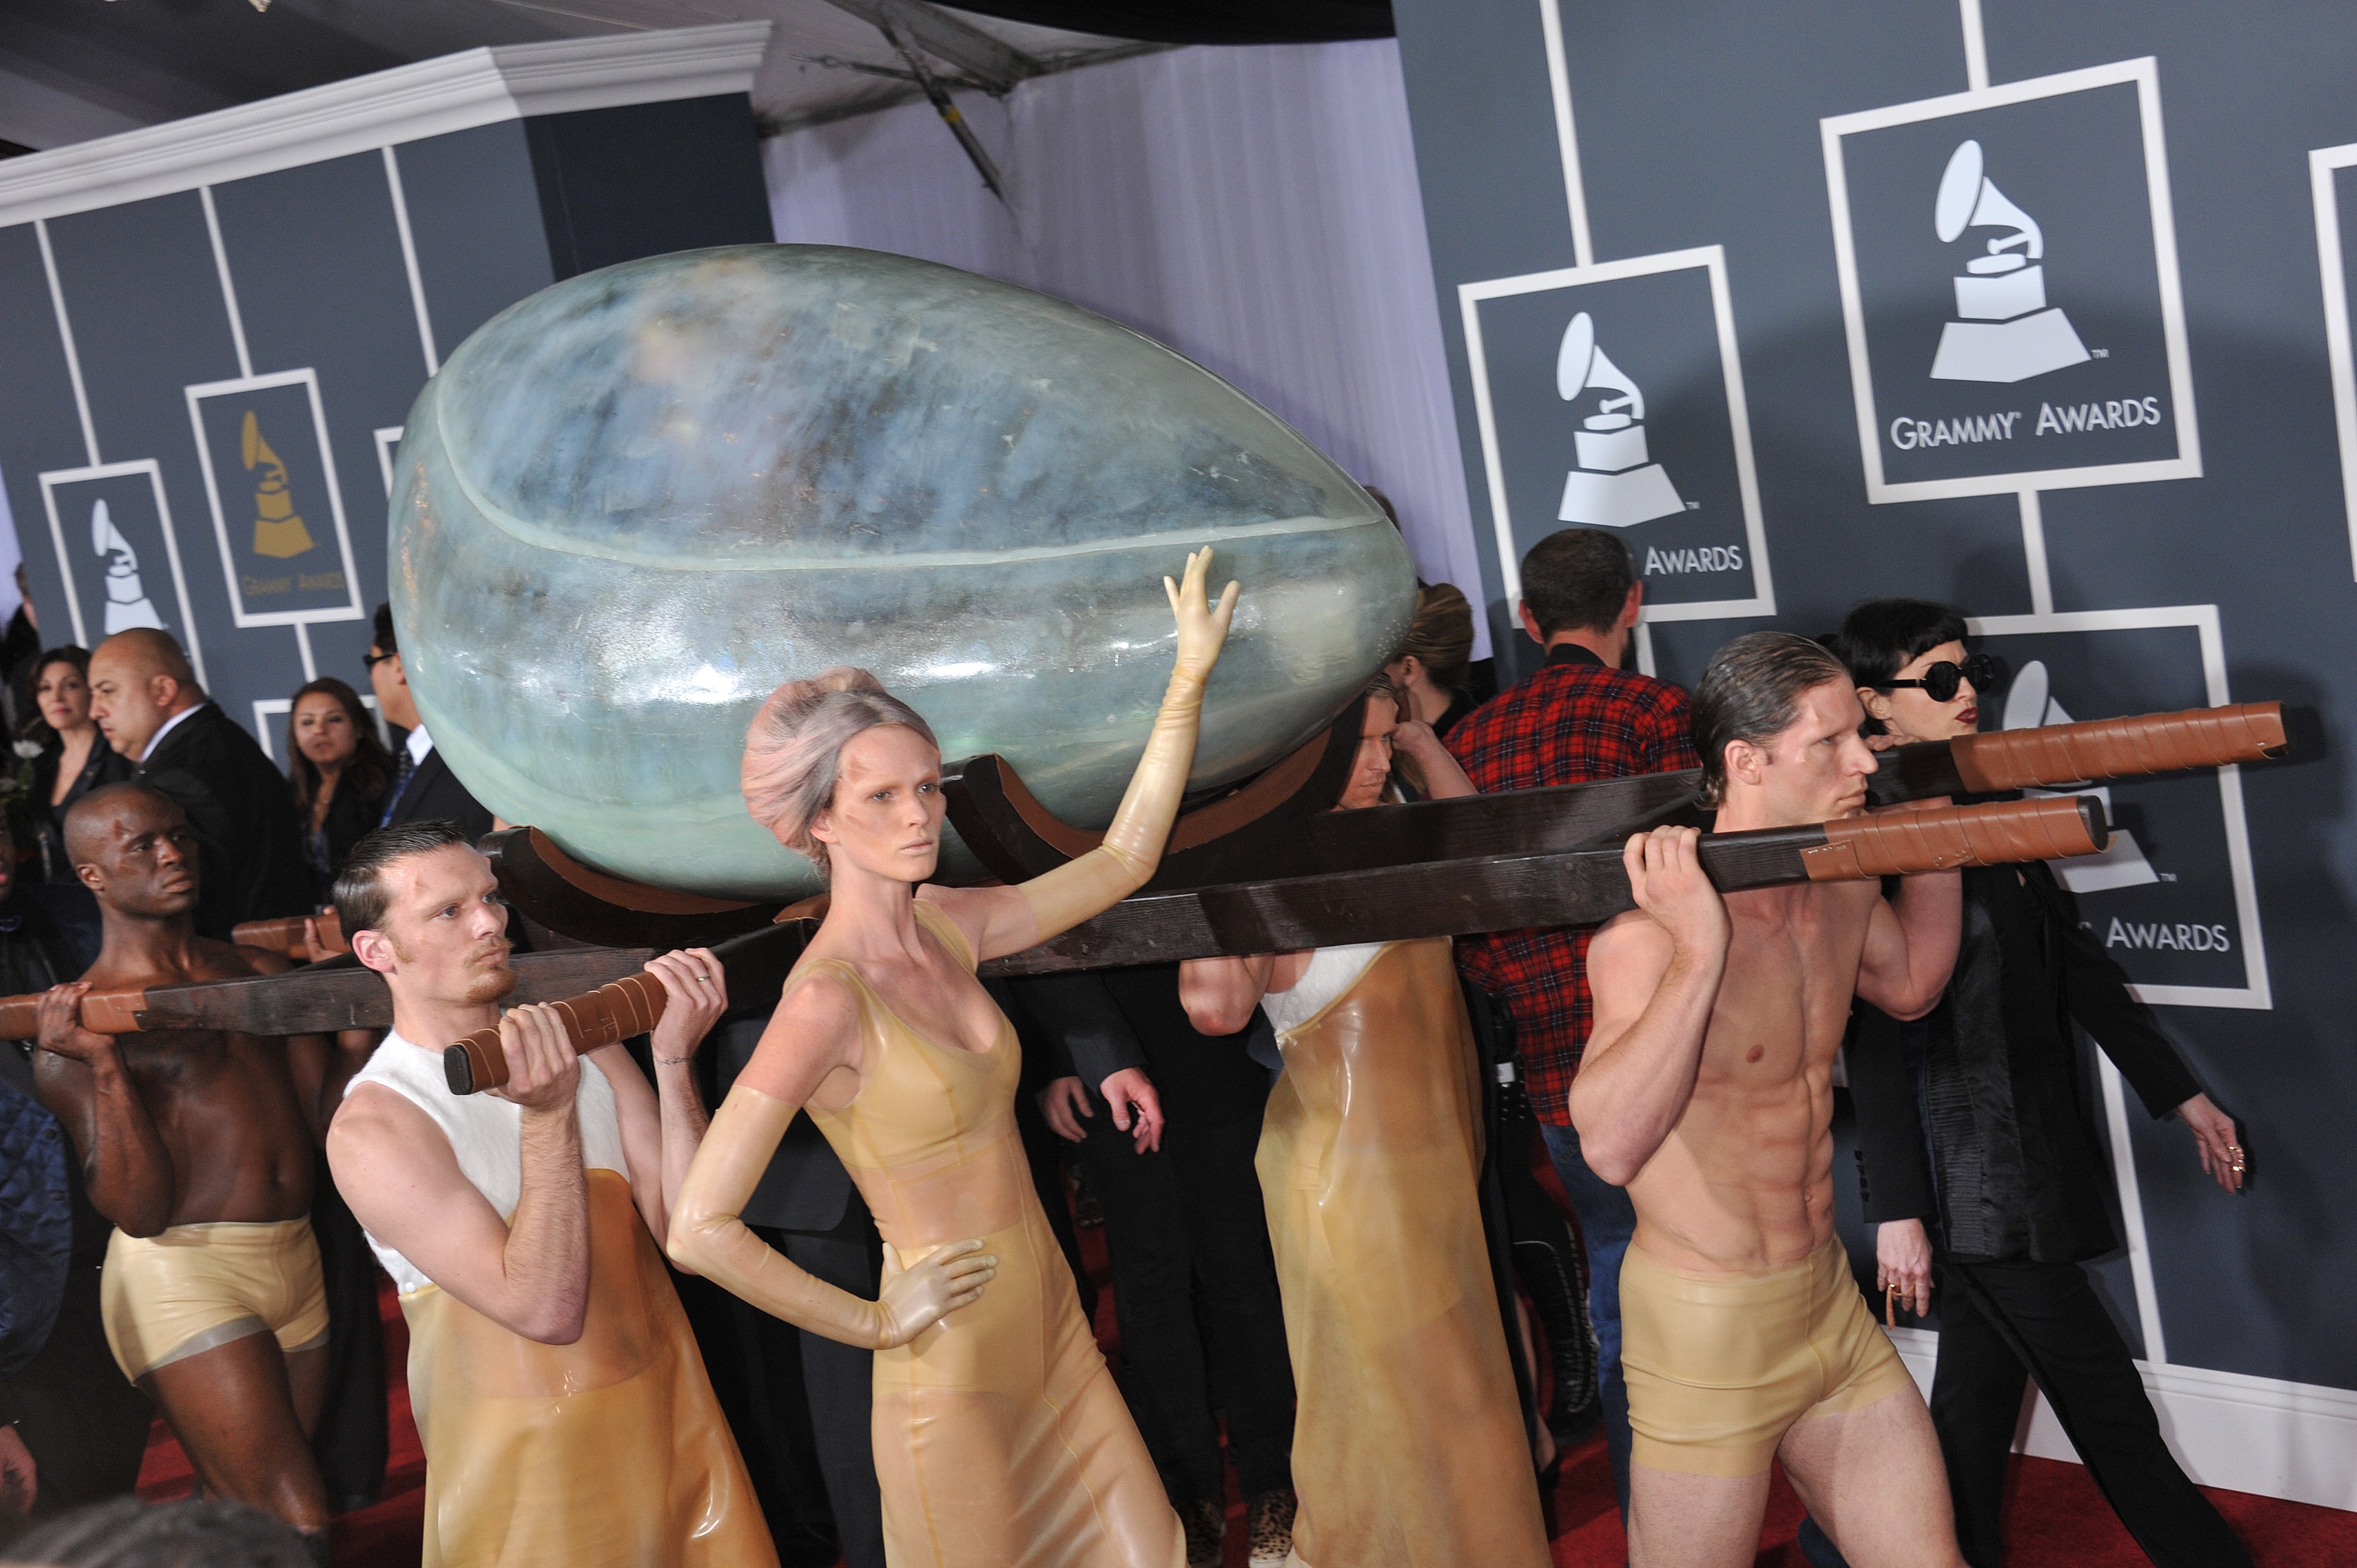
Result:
<point x="2029" y="705"/>
<point x="2006" y="331"/>
<point x="1976" y="368"/>
<point x="128" y="605"/>
<point x="1615" y="485"/>
<point x="278" y="530"/>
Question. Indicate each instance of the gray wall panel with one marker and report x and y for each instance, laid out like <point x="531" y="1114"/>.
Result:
<point x="41" y="431"/>
<point x="148" y="321"/>
<point x="1699" y="124"/>
<point x="315" y="255"/>
<point x="474" y="214"/>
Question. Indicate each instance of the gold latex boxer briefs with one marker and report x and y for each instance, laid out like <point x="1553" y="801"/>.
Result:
<point x="1721" y="1367"/>
<point x="170" y="1297"/>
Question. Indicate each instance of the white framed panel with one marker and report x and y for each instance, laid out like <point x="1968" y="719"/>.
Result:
<point x="2004" y="332"/>
<point x="254" y="570"/>
<point x="2324" y="166"/>
<point x="2250" y="989"/>
<point x="388" y="444"/>
<point x="1630" y="490"/>
<point x="116" y="533"/>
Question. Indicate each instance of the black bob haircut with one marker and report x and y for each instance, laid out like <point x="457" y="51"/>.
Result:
<point x="1882" y="637"/>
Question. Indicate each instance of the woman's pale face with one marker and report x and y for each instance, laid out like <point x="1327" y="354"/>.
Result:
<point x="63" y="697"/>
<point x="886" y="817"/>
<point x="1909" y="713"/>
<point x="324" y="732"/>
<point x="1371" y="769"/>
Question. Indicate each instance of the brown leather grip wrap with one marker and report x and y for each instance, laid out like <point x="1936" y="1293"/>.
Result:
<point x="1896" y="842"/>
<point x="102" y="1013"/>
<point x="608" y="1015"/>
<point x="2118" y="749"/>
<point x="284" y="935"/>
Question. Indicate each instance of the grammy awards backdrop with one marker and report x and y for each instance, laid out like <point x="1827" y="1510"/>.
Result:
<point x="214" y="328"/>
<point x="2042" y="310"/>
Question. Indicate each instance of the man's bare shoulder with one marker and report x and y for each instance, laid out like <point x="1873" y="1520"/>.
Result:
<point x="380" y="1123"/>
<point x="1631" y="933"/>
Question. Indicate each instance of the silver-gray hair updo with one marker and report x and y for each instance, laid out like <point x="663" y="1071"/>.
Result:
<point x="794" y="745"/>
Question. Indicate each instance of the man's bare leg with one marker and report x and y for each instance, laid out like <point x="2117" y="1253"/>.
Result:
<point x="1874" y="1480"/>
<point x="1678" y="1521"/>
<point x="232" y="1408"/>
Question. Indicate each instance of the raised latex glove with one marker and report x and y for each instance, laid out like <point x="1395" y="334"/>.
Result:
<point x="707" y="1237"/>
<point x="1120" y="866"/>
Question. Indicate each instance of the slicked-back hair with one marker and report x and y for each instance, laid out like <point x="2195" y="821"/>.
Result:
<point x="1751" y="692"/>
<point x="1882" y="637"/>
<point x="1578" y="580"/>
<point x="381" y="630"/>
<point x="361" y="896"/>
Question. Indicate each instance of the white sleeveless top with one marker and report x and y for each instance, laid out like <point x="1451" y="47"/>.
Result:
<point x="486" y="1132"/>
<point x="1331" y="972"/>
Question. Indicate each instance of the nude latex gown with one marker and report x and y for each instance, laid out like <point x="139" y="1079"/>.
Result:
<point x="1408" y="1449"/>
<point x="1000" y="1437"/>
<point x="1001" y="1441"/>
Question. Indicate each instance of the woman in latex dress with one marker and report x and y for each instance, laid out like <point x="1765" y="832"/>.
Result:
<point x="1001" y="1441"/>
<point x="1408" y="1447"/>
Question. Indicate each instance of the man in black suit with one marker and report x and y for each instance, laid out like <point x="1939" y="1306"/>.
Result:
<point x="146" y="700"/>
<point x="424" y="788"/>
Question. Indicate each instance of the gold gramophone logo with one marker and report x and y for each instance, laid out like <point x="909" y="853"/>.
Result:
<point x="278" y="531"/>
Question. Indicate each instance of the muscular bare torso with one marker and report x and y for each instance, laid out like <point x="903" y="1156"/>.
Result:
<point x="225" y="1106"/>
<point x="1744" y="1181"/>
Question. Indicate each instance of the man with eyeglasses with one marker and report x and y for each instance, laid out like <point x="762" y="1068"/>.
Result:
<point x="424" y="788"/>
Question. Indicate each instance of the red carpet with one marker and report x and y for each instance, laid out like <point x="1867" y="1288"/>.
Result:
<point x="2055" y="1518"/>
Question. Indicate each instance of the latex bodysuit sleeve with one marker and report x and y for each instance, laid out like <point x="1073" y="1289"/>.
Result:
<point x="1132" y="847"/>
<point x="707" y="1236"/>
<point x="1119" y="866"/>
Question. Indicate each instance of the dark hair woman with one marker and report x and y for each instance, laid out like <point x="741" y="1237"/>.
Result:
<point x="341" y="772"/>
<point x="73" y="759"/>
<point x="2013" y="1189"/>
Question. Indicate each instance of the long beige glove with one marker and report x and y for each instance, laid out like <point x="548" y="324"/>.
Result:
<point x="707" y="1236"/>
<point x="1119" y="866"/>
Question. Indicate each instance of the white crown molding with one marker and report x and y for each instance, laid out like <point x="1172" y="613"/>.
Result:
<point x="454" y="93"/>
<point x="2230" y="1430"/>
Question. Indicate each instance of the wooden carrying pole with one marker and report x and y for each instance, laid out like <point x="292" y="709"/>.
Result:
<point x="1576" y="888"/>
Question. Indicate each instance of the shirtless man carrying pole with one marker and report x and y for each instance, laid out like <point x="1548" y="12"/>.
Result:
<point x="195" y="1143"/>
<point x="1706" y="1091"/>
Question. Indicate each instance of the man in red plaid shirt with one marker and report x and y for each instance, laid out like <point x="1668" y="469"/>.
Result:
<point x="1580" y="717"/>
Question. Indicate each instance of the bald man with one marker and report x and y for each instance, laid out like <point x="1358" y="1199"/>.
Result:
<point x="196" y="1144"/>
<point x="145" y="699"/>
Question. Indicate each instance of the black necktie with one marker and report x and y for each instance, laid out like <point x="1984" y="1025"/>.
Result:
<point x="401" y="776"/>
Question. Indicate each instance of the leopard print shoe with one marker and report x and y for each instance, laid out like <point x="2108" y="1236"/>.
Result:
<point x="1268" y="1520"/>
<point x="1207" y="1533"/>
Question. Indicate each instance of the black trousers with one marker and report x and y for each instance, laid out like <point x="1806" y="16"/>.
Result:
<point x="2001" y="1321"/>
<point x="352" y="1439"/>
<point x="1202" y="1326"/>
<point x="841" y="1383"/>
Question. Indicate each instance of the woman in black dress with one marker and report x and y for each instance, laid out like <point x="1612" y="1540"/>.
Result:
<point x="341" y="772"/>
<point x="73" y="758"/>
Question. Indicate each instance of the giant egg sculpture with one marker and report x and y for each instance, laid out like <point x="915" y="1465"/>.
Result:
<point x="632" y="504"/>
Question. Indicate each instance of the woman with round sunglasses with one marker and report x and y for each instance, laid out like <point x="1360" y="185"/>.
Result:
<point x="1978" y="1150"/>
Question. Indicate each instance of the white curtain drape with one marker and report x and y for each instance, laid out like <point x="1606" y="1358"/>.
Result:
<point x="1254" y="208"/>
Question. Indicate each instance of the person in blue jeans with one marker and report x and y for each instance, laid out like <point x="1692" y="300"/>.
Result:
<point x="1607" y="1220"/>
<point x="1580" y="716"/>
